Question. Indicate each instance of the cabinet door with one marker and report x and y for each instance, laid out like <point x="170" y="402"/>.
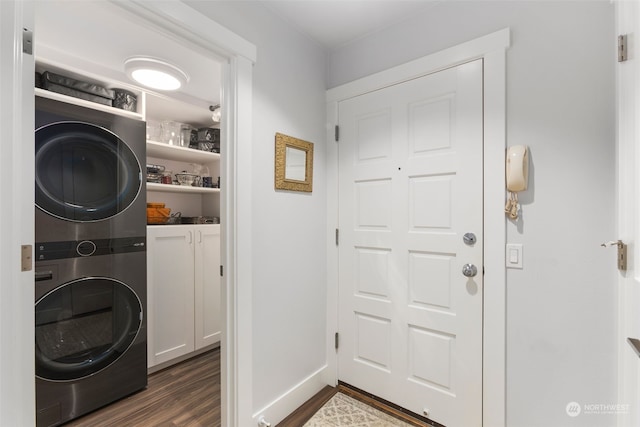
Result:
<point x="207" y="285"/>
<point x="170" y="260"/>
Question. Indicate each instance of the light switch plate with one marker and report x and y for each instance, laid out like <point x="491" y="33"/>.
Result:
<point x="514" y="255"/>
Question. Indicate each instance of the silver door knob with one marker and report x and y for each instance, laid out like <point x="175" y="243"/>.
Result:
<point x="469" y="270"/>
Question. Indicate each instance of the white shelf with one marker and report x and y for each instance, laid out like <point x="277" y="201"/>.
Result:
<point x="88" y="104"/>
<point x="182" y="154"/>
<point x="170" y="188"/>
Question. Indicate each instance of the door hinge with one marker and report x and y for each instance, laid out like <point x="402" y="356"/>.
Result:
<point x="337" y="133"/>
<point x="26" y="257"/>
<point x="221" y="271"/>
<point x="337" y="340"/>
<point x="337" y="237"/>
<point x="27" y="41"/>
<point x="622" y="257"/>
<point x="622" y="48"/>
<point x="622" y="253"/>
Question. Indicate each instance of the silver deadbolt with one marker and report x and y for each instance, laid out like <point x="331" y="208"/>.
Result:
<point x="469" y="270"/>
<point x="469" y="239"/>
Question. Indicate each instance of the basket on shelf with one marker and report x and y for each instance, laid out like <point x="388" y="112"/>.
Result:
<point x="157" y="213"/>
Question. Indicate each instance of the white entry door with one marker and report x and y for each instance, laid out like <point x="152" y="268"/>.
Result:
<point x="410" y="182"/>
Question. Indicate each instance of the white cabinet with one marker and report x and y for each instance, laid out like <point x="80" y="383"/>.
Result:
<point x="183" y="292"/>
<point x="170" y="293"/>
<point x="183" y="277"/>
<point x="207" y="285"/>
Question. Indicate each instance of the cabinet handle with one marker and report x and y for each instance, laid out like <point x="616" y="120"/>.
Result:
<point x="190" y="237"/>
<point x="199" y="236"/>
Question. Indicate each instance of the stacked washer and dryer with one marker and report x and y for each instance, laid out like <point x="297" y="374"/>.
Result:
<point x="90" y="250"/>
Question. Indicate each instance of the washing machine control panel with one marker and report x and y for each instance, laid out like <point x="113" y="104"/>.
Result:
<point x="46" y="251"/>
<point x="86" y="248"/>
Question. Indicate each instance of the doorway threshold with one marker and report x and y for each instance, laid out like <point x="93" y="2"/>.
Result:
<point x="387" y="407"/>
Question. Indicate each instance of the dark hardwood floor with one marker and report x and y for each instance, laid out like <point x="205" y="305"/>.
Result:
<point x="184" y="395"/>
<point x="188" y="395"/>
<point x="304" y="413"/>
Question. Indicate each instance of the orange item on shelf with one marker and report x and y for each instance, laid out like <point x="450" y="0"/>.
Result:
<point x="157" y="213"/>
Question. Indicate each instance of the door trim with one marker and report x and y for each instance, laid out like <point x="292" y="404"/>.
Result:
<point x="627" y="207"/>
<point x="492" y="49"/>
<point x="199" y="31"/>
<point x="17" y="311"/>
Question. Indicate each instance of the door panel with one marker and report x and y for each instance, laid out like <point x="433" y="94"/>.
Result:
<point x="207" y="285"/>
<point x="170" y="274"/>
<point x="410" y="171"/>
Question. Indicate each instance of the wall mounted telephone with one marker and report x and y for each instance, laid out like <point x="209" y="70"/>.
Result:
<point x="517" y="175"/>
<point x="517" y="168"/>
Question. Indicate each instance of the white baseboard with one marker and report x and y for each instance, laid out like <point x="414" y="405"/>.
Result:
<point x="168" y="363"/>
<point x="292" y="399"/>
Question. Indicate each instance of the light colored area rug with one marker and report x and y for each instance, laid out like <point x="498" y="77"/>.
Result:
<point x="344" y="411"/>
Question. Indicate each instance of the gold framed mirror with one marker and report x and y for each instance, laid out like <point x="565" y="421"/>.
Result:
<point x="294" y="164"/>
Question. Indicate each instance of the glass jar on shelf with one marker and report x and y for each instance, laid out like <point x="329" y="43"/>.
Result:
<point x="167" y="177"/>
<point x="171" y="132"/>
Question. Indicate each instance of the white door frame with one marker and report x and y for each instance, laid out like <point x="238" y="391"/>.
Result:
<point x="628" y="207"/>
<point x="17" y="372"/>
<point x="492" y="49"/>
<point x="194" y="29"/>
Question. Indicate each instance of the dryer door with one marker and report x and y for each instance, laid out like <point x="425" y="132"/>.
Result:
<point x="84" y="172"/>
<point x="84" y="326"/>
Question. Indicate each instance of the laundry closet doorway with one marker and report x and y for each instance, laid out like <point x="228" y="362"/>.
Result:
<point x="419" y="322"/>
<point x="192" y="29"/>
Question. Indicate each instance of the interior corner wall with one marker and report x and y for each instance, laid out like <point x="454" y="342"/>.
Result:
<point x="289" y="280"/>
<point x="561" y="319"/>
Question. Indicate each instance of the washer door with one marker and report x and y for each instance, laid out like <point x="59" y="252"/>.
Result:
<point x="83" y="327"/>
<point x="84" y="172"/>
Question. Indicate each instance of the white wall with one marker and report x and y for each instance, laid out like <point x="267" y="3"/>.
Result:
<point x="561" y="319"/>
<point x="289" y="281"/>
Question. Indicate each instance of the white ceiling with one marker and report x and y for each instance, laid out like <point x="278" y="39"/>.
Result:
<point x="335" y="22"/>
<point x="99" y="36"/>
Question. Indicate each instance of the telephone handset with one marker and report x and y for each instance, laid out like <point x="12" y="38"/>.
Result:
<point x="517" y="174"/>
<point x="517" y="168"/>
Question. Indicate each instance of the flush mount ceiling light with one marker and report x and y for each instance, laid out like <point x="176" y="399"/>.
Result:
<point x="155" y="73"/>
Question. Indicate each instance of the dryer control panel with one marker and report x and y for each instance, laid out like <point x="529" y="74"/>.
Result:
<point x="46" y="251"/>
